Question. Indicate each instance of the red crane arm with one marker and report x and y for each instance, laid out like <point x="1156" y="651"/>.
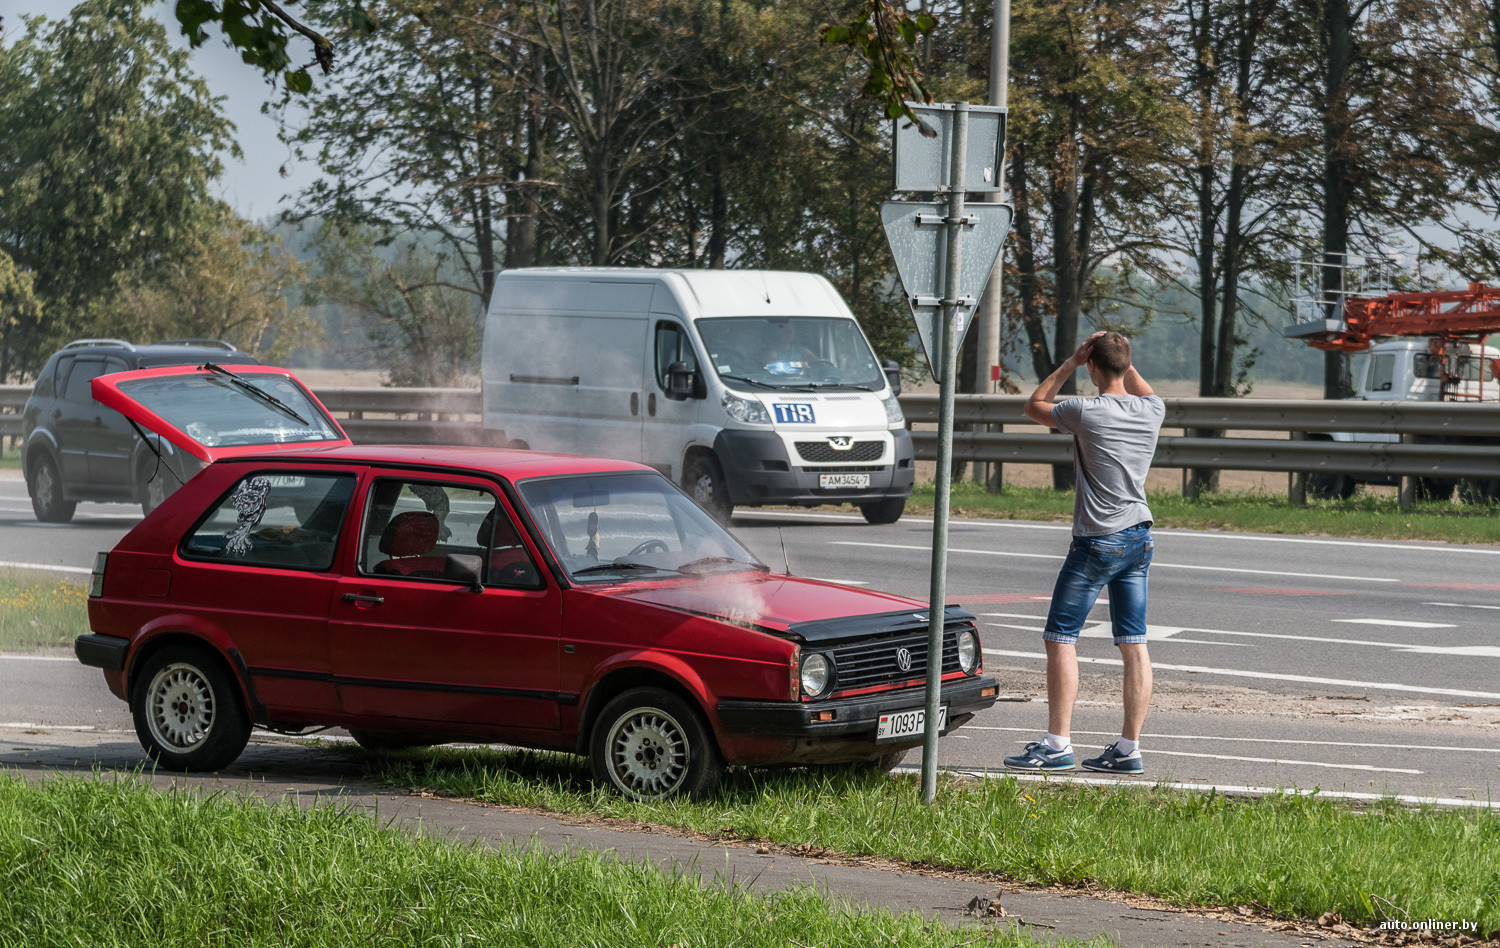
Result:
<point x="1445" y="314"/>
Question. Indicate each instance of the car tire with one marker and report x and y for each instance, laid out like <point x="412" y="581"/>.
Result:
<point x="884" y="511"/>
<point x="385" y="740"/>
<point x="886" y="763"/>
<point x="703" y="480"/>
<point x="151" y="485"/>
<point x="1435" y="488"/>
<point x="187" y="712"/>
<point x="649" y="744"/>
<point x="48" y="495"/>
<point x="1331" y="486"/>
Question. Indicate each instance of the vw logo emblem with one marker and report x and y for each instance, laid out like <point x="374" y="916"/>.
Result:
<point x="903" y="659"/>
<point x="841" y="442"/>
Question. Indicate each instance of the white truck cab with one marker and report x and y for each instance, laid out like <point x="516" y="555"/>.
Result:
<point x="747" y="387"/>
<point x="1408" y="370"/>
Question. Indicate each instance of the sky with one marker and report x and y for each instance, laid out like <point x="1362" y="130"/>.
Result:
<point x="253" y="184"/>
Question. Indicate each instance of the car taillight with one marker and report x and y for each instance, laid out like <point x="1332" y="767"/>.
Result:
<point x="96" y="579"/>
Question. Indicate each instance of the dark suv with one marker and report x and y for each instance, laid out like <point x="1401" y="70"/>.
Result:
<point x="76" y="449"/>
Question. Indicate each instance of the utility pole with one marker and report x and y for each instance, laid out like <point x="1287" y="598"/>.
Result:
<point x="990" y="317"/>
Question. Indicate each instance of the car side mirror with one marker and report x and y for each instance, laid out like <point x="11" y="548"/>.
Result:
<point x="681" y="380"/>
<point x="892" y="370"/>
<point x="464" y="568"/>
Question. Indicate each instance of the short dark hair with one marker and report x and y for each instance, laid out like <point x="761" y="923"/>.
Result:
<point x="1111" y="354"/>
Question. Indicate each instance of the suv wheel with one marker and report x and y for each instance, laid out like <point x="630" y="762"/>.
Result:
<point x="151" y="485"/>
<point x="650" y="744"/>
<point x="884" y="511"/>
<point x="1331" y="486"/>
<point x="186" y="712"/>
<point x="47" y="495"/>
<point x="704" y="481"/>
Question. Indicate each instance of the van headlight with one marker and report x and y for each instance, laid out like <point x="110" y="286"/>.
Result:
<point x="745" y="410"/>
<point x="893" y="416"/>
<point x="817" y="674"/>
<point x="968" y="652"/>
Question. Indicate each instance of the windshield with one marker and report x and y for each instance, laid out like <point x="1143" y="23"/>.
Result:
<point x="791" y="352"/>
<point x="624" y="527"/>
<point x="217" y="412"/>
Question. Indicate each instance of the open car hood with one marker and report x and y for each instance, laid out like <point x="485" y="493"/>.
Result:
<point x="215" y="414"/>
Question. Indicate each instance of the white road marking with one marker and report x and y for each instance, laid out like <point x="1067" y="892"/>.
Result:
<point x="1277" y="760"/>
<point x="48" y="567"/>
<point x="1272" y="676"/>
<point x="1407" y="798"/>
<point x="38" y="658"/>
<point x="1206" y="642"/>
<point x="1156" y="564"/>
<point x="1398" y="623"/>
<point x="28" y="726"/>
<point x="1251" y="740"/>
<point x="1459" y="605"/>
<point x="1193" y="534"/>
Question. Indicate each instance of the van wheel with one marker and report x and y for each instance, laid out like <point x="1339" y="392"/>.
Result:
<point x="704" y="481"/>
<point x="884" y="511"/>
<point x="1434" y="488"/>
<point x="151" y="485"/>
<point x="1331" y="486"/>
<point x="187" y="715"/>
<point x="47" y="496"/>
<point x="649" y="744"/>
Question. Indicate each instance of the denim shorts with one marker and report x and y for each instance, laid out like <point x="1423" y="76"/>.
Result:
<point x="1120" y="561"/>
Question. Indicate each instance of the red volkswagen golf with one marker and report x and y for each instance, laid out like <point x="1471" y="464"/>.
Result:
<point x="419" y="595"/>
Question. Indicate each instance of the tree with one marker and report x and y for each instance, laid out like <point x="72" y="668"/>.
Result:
<point x="108" y="145"/>
<point x="19" y="309"/>
<point x="233" y="283"/>
<point x="260" y="30"/>
<point x="421" y="326"/>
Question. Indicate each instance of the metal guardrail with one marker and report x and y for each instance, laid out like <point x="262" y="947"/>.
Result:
<point x="453" y="416"/>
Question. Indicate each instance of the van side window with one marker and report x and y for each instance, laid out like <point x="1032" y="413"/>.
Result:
<point x="273" y="519"/>
<point x="672" y="345"/>
<point x="1382" y="372"/>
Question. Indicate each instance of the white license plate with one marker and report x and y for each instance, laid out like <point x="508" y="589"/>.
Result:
<point x="899" y="724"/>
<point x="843" y="480"/>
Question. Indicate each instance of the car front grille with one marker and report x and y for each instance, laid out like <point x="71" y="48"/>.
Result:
<point x="873" y="662"/>
<point x="823" y="452"/>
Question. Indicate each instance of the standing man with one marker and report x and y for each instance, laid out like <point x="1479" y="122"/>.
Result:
<point x="1114" y="440"/>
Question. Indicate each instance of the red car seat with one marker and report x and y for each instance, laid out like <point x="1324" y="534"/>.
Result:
<point x="407" y="540"/>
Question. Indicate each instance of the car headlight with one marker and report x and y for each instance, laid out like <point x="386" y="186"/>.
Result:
<point x="893" y="414"/>
<point x="746" y="410"/>
<point x="817" y="674"/>
<point x="968" y="652"/>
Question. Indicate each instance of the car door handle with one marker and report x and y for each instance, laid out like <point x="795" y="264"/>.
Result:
<point x="635" y="404"/>
<point x="651" y="404"/>
<point x="364" y="600"/>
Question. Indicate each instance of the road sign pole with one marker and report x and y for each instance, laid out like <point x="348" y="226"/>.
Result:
<point x="948" y="349"/>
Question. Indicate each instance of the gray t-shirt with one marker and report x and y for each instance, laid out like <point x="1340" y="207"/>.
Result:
<point x="1114" y="440"/>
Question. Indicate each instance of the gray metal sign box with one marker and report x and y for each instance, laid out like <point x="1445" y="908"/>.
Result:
<point x="918" y="236"/>
<point x="923" y="164"/>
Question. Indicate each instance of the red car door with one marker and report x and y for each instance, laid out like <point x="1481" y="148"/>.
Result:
<point x="409" y="644"/>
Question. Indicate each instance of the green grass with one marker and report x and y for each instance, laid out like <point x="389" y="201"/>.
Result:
<point x="1290" y="855"/>
<point x="1363" y="515"/>
<point x="10" y="458"/>
<point x="114" y="863"/>
<point x="37" y="610"/>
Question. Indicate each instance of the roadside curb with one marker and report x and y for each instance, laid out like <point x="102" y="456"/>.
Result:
<point x="281" y="770"/>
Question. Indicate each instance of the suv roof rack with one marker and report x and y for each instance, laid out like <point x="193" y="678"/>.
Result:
<point x="206" y="343"/>
<point x="112" y="343"/>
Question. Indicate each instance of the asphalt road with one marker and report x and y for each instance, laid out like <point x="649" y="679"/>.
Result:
<point x="1353" y="666"/>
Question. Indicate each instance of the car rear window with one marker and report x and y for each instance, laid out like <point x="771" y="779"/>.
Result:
<point x="215" y="412"/>
<point x="278" y="519"/>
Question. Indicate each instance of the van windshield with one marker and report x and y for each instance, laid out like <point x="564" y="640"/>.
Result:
<point x="792" y="352"/>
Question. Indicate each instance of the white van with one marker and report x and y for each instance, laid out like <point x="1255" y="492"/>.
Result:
<point x="1408" y="370"/>
<point x="747" y="387"/>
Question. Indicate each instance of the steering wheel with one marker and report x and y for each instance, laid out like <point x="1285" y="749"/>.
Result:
<point x="649" y="546"/>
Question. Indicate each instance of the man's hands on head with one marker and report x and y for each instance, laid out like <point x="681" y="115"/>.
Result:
<point x="1039" y="405"/>
<point x="1081" y="357"/>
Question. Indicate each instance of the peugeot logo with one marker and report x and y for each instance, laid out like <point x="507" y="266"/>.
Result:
<point x="903" y="659"/>
<point x="841" y="442"/>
